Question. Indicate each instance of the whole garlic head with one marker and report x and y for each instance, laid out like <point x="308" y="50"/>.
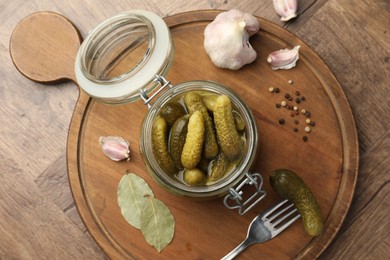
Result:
<point x="226" y="39"/>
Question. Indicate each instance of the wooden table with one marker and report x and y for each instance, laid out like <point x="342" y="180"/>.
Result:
<point x="38" y="218"/>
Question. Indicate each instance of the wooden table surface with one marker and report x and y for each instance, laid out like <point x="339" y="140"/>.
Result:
<point x="38" y="218"/>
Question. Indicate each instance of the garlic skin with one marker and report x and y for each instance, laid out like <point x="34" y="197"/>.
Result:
<point x="284" y="59"/>
<point x="287" y="9"/>
<point x="114" y="147"/>
<point x="226" y="39"/>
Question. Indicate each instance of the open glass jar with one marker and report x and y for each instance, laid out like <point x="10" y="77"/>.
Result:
<point x="123" y="60"/>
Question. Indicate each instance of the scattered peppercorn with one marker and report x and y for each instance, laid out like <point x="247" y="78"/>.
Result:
<point x="276" y="90"/>
<point x="281" y="121"/>
<point x="298" y="100"/>
<point x="297" y="93"/>
<point x="296" y="121"/>
<point x="305" y="138"/>
<point x="307" y="114"/>
<point x="303" y="98"/>
<point x="296" y="112"/>
<point x="287" y="96"/>
<point x="292" y="114"/>
<point x="312" y="123"/>
<point x="295" y="129"/>
<point x="278" y="105"/>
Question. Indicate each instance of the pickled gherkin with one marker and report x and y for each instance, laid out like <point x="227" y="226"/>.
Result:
<point x="177" y="140"/>
<point x="218" y="168"/>
<point x="193" y="146"/>
<point x="194" y="103"/>
<point x="171" y="112"/>
<point x="160" y="145"/>
<point x="229" y="138"/>
<point x="194" y="177"/>
<point x="290" y="186"/>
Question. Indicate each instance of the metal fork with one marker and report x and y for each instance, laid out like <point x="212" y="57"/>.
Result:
<point x="267" y="226"/>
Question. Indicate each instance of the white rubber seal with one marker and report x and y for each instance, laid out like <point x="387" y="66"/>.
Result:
<point x="144" y="75"/>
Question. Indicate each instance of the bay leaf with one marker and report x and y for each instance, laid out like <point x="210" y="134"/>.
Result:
<point x="133" y="191"/>
<point x="157" y="223"/>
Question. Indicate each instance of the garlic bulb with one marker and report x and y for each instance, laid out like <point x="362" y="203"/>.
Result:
<point x="284" y="59"/>
<point x="287" y="9"/>
<point x="226" y="39"/>
<point x="116" y="148"/>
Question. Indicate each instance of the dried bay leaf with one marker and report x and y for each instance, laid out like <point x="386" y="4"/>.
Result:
<point x="157" y="223"/>
<point x="133" y="192"/>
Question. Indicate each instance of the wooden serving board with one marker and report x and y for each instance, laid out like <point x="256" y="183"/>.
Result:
<point x="327" y="162"/>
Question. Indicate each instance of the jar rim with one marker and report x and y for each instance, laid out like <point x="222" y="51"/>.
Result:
<point x="125" y="87"/>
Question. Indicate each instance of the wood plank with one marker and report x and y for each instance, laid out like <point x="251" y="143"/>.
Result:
<point x="31" y="226"/>
<point x="363" y="72"/>
<point x="371" y="199"/>
<point x="53" y="183"/>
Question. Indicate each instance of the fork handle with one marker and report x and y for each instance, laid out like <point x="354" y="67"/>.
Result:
<point x="238" y="249"/>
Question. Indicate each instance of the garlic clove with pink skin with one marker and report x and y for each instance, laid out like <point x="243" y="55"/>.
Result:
<point x="114" y="147"/>
<point x="226" y="39"/>
<point x="284" y="59"/>
<point x="287" y="9"/>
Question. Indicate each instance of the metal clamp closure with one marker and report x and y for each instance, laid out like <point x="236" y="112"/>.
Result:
<point x="163" y="84"/>
<point x="236" y="195"/>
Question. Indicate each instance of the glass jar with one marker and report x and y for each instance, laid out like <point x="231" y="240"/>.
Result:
<point x="123" y="60"/>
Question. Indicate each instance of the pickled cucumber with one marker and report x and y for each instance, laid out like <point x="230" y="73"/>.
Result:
<point x="171" y="112"/>
<point x="227" y="134"/>
<point x="194" y="177"/>
<point x="239" y="122"/>
<point x="290" y="186"/>
<point x="193" y="146"/>
<point x="177" y="140"/>
<point x="160" y="145"/>
<point x="193" y="102"/>
<point x="218" y="168"/>
<point x="209" y="101"/>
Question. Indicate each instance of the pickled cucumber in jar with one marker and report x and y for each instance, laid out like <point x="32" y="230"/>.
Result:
<point x="205" y="137"/>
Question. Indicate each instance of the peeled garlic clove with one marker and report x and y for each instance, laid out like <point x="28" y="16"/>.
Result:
<point x="287" y="9"/>
<point x="116" y="148"/>
<point x="284" y="59"/>
<point x="226" y="39"/>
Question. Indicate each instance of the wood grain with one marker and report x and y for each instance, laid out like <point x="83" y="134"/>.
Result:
<point x="37" y="117"/>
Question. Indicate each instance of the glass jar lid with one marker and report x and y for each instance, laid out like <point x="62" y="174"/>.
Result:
<point x="123" y="55"/>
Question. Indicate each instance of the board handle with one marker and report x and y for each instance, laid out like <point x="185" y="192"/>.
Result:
<point x="43" y="47"/>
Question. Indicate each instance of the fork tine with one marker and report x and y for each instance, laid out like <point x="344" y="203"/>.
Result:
<point x="277" y="214"/>
<point x="284" y="216"/>
<point x="272" y="209"/>
<point x="286" y="225"/>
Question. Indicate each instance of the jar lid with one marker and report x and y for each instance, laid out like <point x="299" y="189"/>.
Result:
<point x="123" y="55"/>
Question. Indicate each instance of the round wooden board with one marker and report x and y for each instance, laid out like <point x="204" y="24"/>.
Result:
<point x="328" y="162"/>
